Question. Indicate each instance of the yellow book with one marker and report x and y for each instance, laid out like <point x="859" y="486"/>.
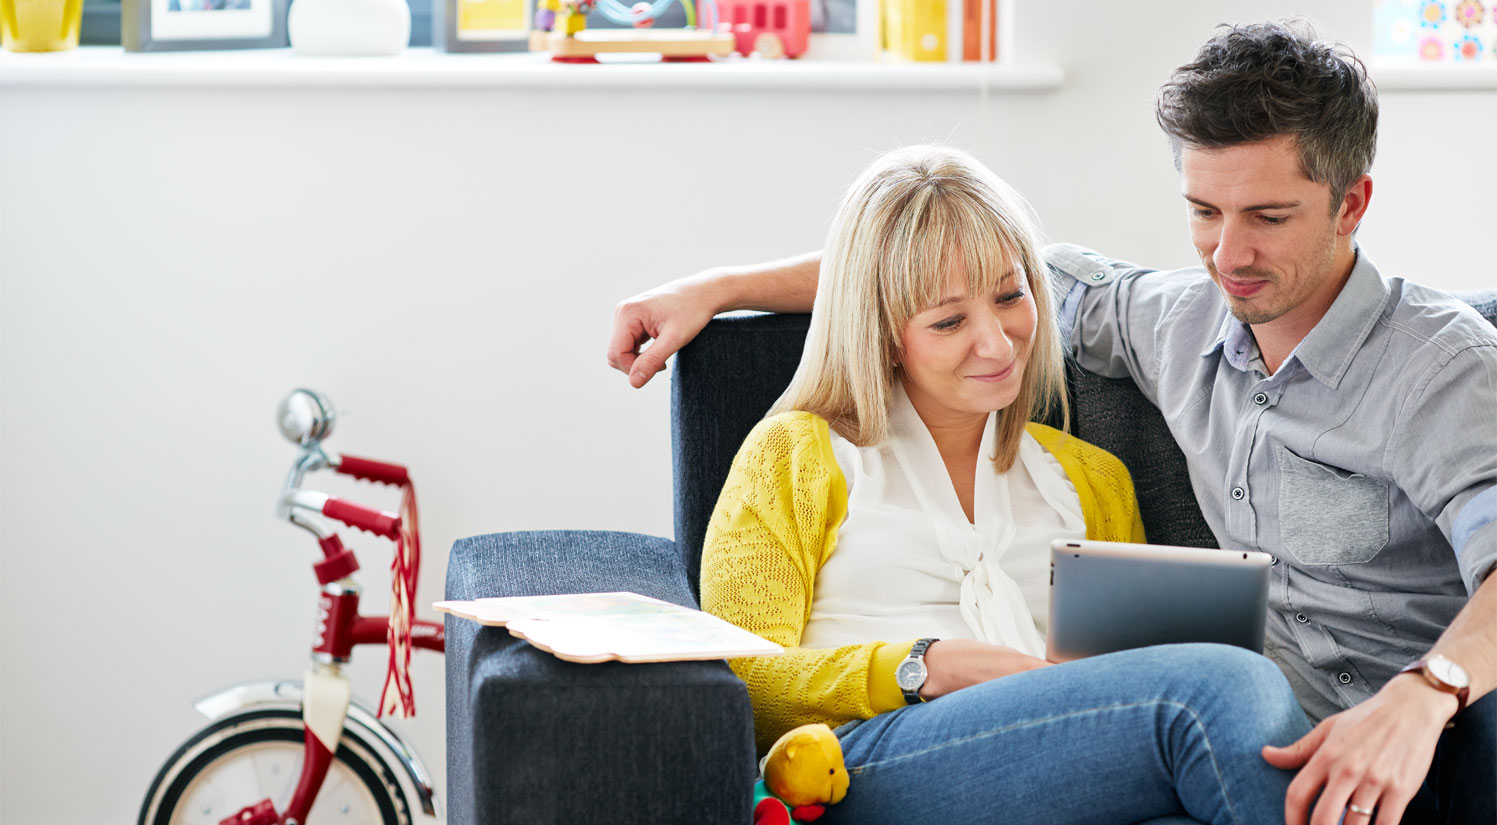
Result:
<point x="916" y="29"/>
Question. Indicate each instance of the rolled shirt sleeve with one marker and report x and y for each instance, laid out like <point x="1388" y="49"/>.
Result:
<point x="1443" y="454"/>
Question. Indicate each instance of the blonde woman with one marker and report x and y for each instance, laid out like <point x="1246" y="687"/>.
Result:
<point x="889" y="523"/>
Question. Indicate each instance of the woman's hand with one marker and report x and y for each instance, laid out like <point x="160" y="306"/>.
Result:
<point x="952" y="664"/>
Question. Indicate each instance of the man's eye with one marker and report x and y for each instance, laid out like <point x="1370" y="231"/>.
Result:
<point x="1201" y="213"/>
<point x="1272" y="220"/>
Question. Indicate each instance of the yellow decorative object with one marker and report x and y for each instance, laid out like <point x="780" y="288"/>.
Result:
<point x="491" y="15"/>
<point x="40" y="25"/>
<point x="805" y="767"/>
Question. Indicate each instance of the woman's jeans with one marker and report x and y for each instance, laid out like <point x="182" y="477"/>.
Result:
<point x="1121" y="738"/>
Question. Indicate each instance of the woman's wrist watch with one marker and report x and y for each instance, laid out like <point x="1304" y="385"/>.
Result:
<point x="911" y="673"/>
<point x="1445" y="676"/>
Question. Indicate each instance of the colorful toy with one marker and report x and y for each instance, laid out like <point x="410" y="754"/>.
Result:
<point x="803" y="774"/>
<point x="773" y="28"/>
<point x="561" y="29"/>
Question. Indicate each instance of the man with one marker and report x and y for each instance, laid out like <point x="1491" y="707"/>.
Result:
<point x="1344" y="422"/>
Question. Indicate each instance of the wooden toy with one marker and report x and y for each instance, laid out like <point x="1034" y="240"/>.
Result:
<point x="773" y="28"/>
<point x="561" y="29"/>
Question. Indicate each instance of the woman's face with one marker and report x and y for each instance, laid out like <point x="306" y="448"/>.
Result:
<point x="965" y="356"/>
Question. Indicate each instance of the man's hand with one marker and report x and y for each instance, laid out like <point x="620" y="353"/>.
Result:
<point x="672" y="315"/>
<point x="1374" y="756"/>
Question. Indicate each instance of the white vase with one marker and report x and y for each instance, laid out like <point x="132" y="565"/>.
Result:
<point x="349" y="27"/>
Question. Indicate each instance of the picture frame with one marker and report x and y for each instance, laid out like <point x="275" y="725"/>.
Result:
<point x="481" y="25"/>
<point x="180" y="25"/>
<point x="844" y="30"/>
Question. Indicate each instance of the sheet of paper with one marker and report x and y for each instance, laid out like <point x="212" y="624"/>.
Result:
<point x="598" y="627"/>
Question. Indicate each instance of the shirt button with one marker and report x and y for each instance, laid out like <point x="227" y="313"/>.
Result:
<point x="1301" y="618"/>
<point x="1260" y="399"/>
<point x="1097" y="276"/>
<point x="1344" y="677"/>
<point x="1272" y="560"/>
<point x="1238" y="493"/>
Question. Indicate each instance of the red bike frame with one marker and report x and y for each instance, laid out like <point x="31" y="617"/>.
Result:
<point x="340" y="627"/>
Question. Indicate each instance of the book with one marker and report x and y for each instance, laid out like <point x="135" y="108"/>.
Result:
<point x="915" y="29"/>
<point x="603" y="627"/>
<point x="940" y="30"/>
<point x="977" y="44"/>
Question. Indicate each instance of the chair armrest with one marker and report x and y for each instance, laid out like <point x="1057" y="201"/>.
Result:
<point x="532" y="738"/>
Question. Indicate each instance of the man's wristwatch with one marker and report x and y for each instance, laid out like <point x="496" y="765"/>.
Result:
<point x="1446" y="676"/>
<point x="911" y="673"/>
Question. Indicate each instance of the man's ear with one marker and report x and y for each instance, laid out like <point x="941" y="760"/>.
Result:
<point x="1354" y="205"/>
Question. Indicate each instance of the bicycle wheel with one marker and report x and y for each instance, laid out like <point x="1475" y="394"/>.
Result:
<point x="256" y="755"/>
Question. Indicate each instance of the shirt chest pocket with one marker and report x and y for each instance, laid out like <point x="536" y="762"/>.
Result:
<point x="1328" y="515"/>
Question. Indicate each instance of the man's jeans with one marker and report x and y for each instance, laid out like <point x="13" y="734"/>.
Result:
<point x="1462" y="783"/>
<point x="1121" y="738"/>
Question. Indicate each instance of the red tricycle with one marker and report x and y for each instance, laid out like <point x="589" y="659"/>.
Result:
<point x="293" y="753"/>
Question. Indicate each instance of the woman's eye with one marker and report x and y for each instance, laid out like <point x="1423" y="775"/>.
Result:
<point x="947" y="324"/>
<point x="1011" y="298"/>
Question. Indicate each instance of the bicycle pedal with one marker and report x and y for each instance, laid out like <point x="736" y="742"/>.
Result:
<point x="261" y="813"/>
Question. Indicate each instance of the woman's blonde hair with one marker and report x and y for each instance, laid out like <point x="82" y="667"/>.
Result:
<point x="912" y="218"/>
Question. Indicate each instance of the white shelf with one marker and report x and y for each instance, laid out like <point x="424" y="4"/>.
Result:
<point x="1412" y="77"/>
<point x="424" y="68"/>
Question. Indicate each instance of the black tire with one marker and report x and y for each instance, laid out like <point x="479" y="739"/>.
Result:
<point x="258" y="728"/>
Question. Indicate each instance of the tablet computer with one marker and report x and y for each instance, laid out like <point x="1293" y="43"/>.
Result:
<point x="1107" y="596"/>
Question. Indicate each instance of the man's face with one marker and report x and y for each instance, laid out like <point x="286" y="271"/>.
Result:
<point x="1265" y="232"/>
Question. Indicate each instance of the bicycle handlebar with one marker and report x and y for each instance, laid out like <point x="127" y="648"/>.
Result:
<point x="378" y="522"/>
<point x="379" y="472"/>
<point x="374" y="521"/>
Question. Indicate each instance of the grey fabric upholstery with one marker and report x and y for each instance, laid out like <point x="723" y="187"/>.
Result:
<point x="532" y="739"/>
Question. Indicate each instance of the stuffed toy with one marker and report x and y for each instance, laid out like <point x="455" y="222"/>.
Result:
<point x="803" y="774"/>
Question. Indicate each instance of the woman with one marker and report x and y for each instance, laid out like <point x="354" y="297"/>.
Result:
<point x="896" y="508"/>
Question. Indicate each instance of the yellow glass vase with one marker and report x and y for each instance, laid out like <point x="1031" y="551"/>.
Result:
<point x="40" y="25"/>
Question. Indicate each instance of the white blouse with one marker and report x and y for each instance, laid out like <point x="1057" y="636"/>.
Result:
<point x="908" y="563"/>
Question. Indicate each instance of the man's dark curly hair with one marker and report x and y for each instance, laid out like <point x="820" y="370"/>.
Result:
<point x="1264" y="80"/>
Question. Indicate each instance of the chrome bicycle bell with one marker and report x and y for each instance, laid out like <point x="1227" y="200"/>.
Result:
<point x="306" y="416"/>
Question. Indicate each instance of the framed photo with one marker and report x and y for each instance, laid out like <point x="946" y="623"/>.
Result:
<point x="173" y="25"/>
<point x="481" y="25"/>
<point x="844" y="30"/>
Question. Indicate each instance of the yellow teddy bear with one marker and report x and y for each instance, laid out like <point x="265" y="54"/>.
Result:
<point x="803" y="773"/>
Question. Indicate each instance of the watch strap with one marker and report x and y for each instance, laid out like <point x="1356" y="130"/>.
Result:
<point x="1461" y="694"/>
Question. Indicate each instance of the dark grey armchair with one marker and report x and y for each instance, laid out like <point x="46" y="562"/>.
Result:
<point x="535" y="740"/>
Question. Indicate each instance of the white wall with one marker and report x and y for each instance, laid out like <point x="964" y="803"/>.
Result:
<point x="445" y="265"/>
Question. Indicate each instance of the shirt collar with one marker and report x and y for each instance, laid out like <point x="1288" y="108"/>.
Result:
<point x="1327" y="352"/>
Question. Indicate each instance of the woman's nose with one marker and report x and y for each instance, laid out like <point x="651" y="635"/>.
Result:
<point x="993" y="341"/>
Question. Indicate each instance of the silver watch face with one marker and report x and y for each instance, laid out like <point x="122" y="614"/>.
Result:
<point x="1448" y="672"/>
<point x="910" y="674"/>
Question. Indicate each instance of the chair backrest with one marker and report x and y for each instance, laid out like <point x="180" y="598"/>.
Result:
<point x="726" y="379"/>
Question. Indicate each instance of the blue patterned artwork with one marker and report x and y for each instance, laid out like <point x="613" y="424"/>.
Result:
<point x="1435" y="31"/>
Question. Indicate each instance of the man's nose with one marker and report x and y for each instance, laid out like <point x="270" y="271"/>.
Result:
<point x="1233" y="251"/>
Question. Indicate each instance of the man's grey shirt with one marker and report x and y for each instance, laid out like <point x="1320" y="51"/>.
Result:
<point x="1366" y="465"/>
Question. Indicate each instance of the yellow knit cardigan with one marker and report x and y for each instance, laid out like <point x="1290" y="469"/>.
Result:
<point x="776" y="524"/>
